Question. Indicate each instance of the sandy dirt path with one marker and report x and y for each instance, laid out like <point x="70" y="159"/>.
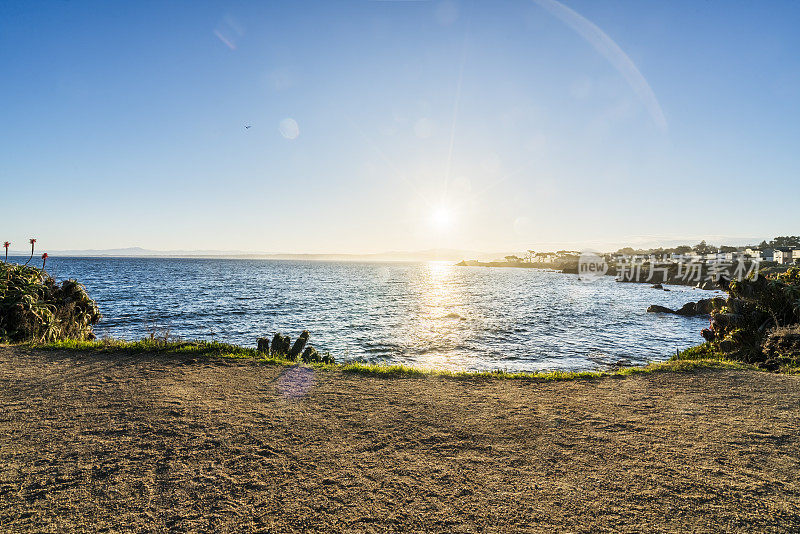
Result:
<point x="163" y="443"/>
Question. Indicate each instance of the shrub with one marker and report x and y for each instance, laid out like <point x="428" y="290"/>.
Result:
<point x="782" y="346"/>
<point x="34" y="307"/>
<point x="753" y="311"/>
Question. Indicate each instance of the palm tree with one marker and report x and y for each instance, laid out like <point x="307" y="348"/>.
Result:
<point x="33" y="244"/>
<point x="7" y="244"/>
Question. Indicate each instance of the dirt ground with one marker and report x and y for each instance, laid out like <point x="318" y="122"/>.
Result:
<point x="164" y="443"/>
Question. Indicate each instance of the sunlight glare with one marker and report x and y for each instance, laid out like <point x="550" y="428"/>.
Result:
<point x="442" y="218"/>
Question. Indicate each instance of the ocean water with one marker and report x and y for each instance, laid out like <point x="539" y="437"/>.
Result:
<point x="427" y="314"/>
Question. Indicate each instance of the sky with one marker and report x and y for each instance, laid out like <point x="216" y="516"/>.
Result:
<point x="398" y="125"/>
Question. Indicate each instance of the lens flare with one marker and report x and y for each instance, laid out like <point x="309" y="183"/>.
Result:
<point x="442" y="218"/>
<point x="289" y="128"/>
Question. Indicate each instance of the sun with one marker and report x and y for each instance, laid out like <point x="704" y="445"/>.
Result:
<point x="442" y="218"/>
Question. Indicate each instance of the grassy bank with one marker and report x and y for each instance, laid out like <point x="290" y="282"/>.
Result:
<point x="693" y="359"/>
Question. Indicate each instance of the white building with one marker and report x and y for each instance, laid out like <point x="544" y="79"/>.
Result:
<point x="784" y="255"/>
<point x="720" y="256"/>
<point x="754" y="253"/>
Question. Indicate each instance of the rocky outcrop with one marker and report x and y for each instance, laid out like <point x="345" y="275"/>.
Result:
<point x="708" y="285"/>
<point x="299" y="345"/>
<point x="690" y="309"/>
<point x="280" y="344"/>
<point x="310" y="355"/>
<point x="281" y="347"/>
<point x="760" y="323"/>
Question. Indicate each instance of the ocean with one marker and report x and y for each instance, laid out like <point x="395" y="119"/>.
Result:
<point x="433" y="315"/>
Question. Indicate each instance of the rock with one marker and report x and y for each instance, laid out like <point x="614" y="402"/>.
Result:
<point x="723" y="322"/>
<point x="310" y="355"/>
<point x="708" y="334"/>
<point x="263" y="345"/>
<point x="708" y="285"/>
<point x="277" y="341"/>
<point x="706" y="306"/>
<point x="724" y="283"/>
<point x="737" y="306"/>
<point x="298" y="346"/>
<point x="690" y="309"/>
<point x="714" y="304"/>
<point x="280" y="344"/>
<point x="657" y="286"/>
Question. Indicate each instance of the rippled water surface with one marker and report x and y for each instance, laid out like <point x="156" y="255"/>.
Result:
<point x="428" y="314"/>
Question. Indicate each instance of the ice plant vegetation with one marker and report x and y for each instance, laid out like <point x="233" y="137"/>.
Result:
<point x="759" y="322"/>
<point x="32" y="241"/>
<point x="33" y="307"/>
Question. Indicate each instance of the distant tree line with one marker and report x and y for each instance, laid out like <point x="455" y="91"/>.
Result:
<point x="701" y="248"/>
<point x="783" y="241"/>
<point x="704" y="248"/>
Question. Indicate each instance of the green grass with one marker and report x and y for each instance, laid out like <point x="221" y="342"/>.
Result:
<point x="699" y="352"/>
<point x="690" y="360"/>
<point x="153" y="345"/>
<point x="395" y="371"/>
<point x="188" y="348"/>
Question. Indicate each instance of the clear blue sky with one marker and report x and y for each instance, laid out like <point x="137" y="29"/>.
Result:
<point x="123" y="124"/>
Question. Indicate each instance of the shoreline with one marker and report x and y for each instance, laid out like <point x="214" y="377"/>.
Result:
<point x="688" y="360"/>
<point x="692" y="359"/>
<point x="672" y="277"/>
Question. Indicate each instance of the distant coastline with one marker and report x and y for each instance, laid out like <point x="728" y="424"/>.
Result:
<point x="438" y="254"/>
<point x="672" y="277"/>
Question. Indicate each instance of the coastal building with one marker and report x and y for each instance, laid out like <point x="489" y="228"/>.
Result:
<point x="719" y="257"/>
<point x="767" y="254"/>
<point x="685" y="258"/>
<point x="784" y="255"/>
<point x="754" y="253"/>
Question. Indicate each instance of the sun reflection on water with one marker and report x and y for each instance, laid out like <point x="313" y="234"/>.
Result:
<point x="442" y="303"/>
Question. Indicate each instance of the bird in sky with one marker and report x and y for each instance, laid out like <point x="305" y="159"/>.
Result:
<point x="247" y="126"/>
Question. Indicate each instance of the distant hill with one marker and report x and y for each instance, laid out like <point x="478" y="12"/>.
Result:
<point x="138" y="252"/>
